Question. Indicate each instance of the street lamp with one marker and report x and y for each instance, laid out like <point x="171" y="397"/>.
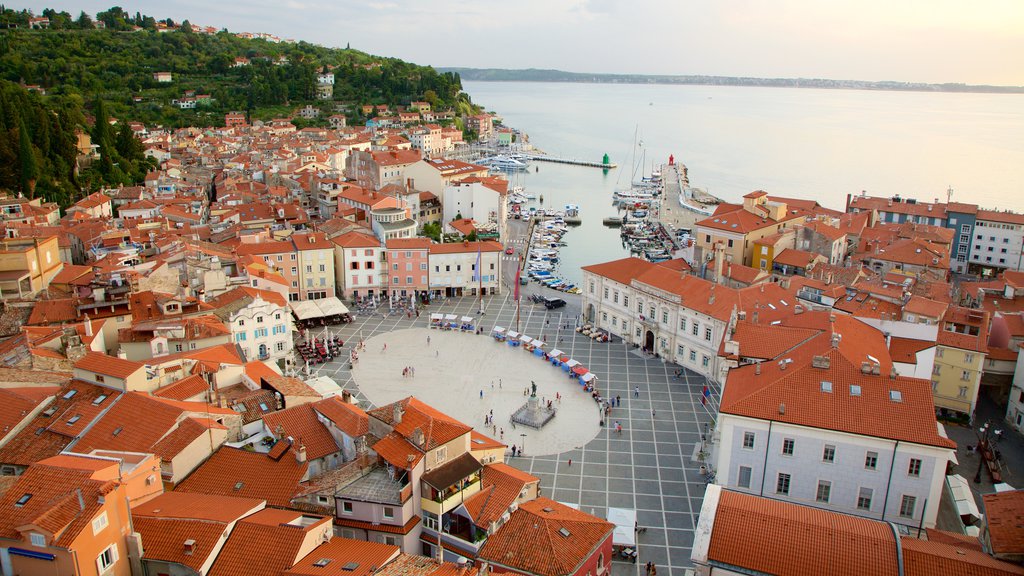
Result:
<point x="522" y="444"/>
<point x="982" y="446"/>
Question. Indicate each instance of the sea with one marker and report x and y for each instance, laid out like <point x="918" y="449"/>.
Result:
<point x="798" y="142"/>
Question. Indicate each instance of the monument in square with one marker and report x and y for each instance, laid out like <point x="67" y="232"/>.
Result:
<point x="533" y="414"/>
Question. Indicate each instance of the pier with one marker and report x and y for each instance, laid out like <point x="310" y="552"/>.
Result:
<point x="572" y="161"/>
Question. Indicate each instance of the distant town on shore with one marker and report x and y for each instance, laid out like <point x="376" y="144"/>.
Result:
<point x="543" y="75"/>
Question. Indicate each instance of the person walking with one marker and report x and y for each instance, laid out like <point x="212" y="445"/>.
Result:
<point x="481" y="394"/>
<point x="636" y="391"/>
<point x="618" y="400"/>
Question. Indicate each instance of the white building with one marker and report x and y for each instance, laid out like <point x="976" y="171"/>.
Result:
<point x="666" y="310"/>
<point x="832" y="426"/>
<point x="358" y="262"/>
<point x="998" y="240"/>
<point x="479" y="199"/>
<point x="453" y="268"/>
<point x="428" y="140"/>
<point x="1015" y="404"/>
<point x="260" y="322"/>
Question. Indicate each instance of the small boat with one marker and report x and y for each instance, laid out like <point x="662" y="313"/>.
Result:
<point x="612" y="221"/>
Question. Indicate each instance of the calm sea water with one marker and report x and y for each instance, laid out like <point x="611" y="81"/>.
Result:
<point x="820" y="144"/>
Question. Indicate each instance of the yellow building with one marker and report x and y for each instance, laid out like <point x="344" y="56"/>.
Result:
<point x="738" y="228"/>
<point x="27" y="265"/>
<point x="959" y="357"/>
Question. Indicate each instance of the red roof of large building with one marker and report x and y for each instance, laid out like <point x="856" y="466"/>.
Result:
<point x="438" y="428"/>
<point x="237" y="472"/>
<point x="546" y="538"/>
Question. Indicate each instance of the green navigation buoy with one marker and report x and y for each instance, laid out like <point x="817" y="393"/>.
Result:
<point x="607" y="160"/>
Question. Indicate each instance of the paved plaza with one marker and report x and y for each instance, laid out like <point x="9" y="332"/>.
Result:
<point x="649" y="467"/>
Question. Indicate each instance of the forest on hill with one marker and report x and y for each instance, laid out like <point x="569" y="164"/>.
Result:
<point x="76" y="72"/>
<point x="265" y="78"/>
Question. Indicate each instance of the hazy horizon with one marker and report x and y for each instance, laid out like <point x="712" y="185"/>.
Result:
<point x="930" y="41"/>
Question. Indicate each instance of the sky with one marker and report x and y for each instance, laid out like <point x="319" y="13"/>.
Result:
<point x="978" y="42"/>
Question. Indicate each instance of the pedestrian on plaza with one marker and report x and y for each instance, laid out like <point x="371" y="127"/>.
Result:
<point x="495" y="427"/>
<point x="653" y="413"/>
<point x="481" y="394"/>
<point x="636" y="391"/>
<point x="618" y="400"/>
<point x="499" y="383"/>
<point x="502" y="432"/>
<point x="437" y="353"/>
<point x="428" y="339"/>
<point x="385" y="348"/>
<point x="570" y="462"/>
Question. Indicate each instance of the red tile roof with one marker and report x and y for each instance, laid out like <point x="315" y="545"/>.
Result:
<point x="531" y="540"/>
<point x="368" y="557"/>
<point x="189" y="388"/>
<point x="773" y="537"/>
<point x="765" y="341"/>
<point x="928" y="558"/>
<point x="170" y="519"/>
<point x="1004" y="513"/>
<point x="501" y="485"/>
<point x="438" y="428"/>
<point x="796" y="385"/>
<point x="398" y="451"/>
<point x="411" y="565"/>
<point x="301" y="424"/>
<point x="49" y="432"/>
<point x="236" y="472"/>
<point x="269" y="536"/>
<point x="347" y="417"/>
<point x="100" y="363"/>
<point x="54" y="502"/>
<point x="905" y="350"/>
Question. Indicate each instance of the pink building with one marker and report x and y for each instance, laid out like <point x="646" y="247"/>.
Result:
<point x="408" y="270"/>
<point x="279" y="254"/>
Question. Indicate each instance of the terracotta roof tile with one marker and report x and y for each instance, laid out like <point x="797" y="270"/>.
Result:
<point x="189" y="388"/>
<point x="410" y="565"/>
<point x="301" y="424"/>
<point x="927" y="558"/>
<point x="236" y="472"/>
<point x="438" y="428"/>
<point x="269" y="535"/>
<point x="398" y="451"/>
<point x="530" y="541"/>
<point x="905" y="350"/>
<point x="501" y="485"/>
<point x="349" y="418"/>
<point x="368" y="557"/>
<point x="773" y="537"/>
<point x="1005" y="516"/>
<point x="100" y="363"/>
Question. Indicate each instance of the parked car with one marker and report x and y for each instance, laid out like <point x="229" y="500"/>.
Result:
<point x="510" y="250"/>
<point x="552" y="303"/>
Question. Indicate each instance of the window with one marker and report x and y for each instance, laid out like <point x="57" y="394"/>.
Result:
<point x="705" y="360"/>
<point x="391" y="541"/>
<point x="864" y="499"/>
<point x="625" y="301"/>
<point x="680" y="350"/>
<point x="615" y="297"/>
<point x="37" y="539"/>
<point x="664" y="317"/>
<point x="782" y="484"/>
<point x="963" y="392"/>
<point x="693" y="356"/>
<point x="871" y="461"/>
<point x="606" y="293"/>
<point x="748" y="440"/>
<point x="915" y="468"/>
<point x="907" y="505"/>
<point x="107" y="558"/>
<point x="824" y="491"/>
<point x="744" y="478"/>
<point x="707" y="333"/>
<point x="695" y="328"/>
<point x="99" y="523"/>
<point x="787" y="446"/>
<point x="346" y="507"/>
<point x="965" y="375"/>
<point x="441" y="454"/>
<point x="682" y="324"/>
<point x="389" y="512"/>
<point x="99" y="378"/>
<point x="829" y="455"/>
<point x="730" y="243"/>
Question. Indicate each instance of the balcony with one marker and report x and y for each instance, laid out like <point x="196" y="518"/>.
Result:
<point x="809" y="296"/>
<point x="458" y="533"/>
<point x="453" y="496"/>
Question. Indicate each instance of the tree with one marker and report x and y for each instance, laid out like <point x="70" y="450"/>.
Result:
<point x="85" y="22"/>
<point x="29" y="169"/>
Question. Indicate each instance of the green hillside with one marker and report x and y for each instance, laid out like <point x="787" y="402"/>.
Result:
<point x="117" y="64"/>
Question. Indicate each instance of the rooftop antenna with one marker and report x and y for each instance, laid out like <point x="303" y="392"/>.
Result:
<point x="949" y="194"/>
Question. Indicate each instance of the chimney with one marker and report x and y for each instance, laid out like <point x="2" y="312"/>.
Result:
<point x="81" y="501"/>
<point x="757" y="368"/>
<point x="396" y="415"/>
<point x="836" y="339"/>
<point x="719" y="262"/>
<point x="822" y="362"/>
<point x="190" y="545"/>
<point x="418" y="438"/>
<point x="865" y="367"/>
<point x="782" y="408"/>
<point x="892" y="373"/>
<point x="88" y="326"/>
<point x="753" y="317"/>
<point x="876" y="369"/>
<point x="300" y="454"/>
<point x="711" y="297"/>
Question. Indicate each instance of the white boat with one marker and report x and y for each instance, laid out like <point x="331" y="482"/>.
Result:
<point x="503" y="163"/>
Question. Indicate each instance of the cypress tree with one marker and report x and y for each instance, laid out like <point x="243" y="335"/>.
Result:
<point x="29" y="169"/>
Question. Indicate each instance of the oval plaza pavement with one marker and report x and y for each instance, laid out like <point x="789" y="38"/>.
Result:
<point x="649" y="467"/>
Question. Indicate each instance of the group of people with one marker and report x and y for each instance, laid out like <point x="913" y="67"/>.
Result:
<point x="408" y="372"/>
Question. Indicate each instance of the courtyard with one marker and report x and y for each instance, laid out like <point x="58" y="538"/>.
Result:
<point x="649" y="467"/>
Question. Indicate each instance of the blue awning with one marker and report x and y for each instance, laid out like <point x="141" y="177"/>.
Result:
<point x="32" y="554"/>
